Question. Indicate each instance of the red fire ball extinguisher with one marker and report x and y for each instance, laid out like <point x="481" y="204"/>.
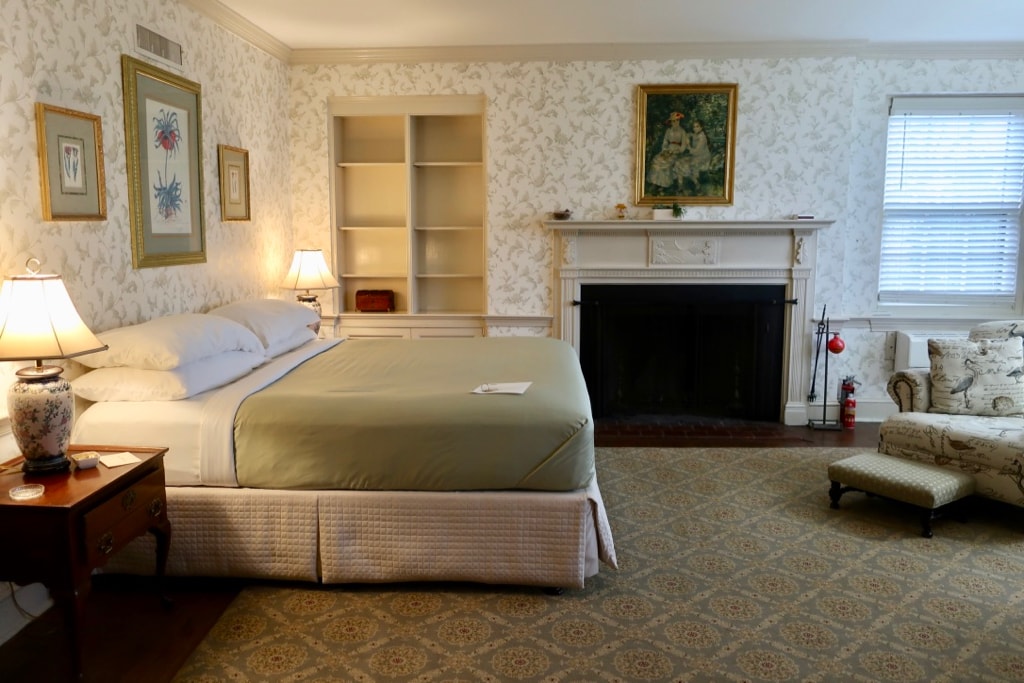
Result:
<point x="847" y="403"/>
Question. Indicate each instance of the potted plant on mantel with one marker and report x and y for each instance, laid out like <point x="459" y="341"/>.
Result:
<point x="661" y="212"/>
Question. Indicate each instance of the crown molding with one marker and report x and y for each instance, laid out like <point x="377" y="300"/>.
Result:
<point x="994" y="50"/>
<point x="600" y="52"/>
<point x="576" y="52"/>
<point x="242" y="27"/>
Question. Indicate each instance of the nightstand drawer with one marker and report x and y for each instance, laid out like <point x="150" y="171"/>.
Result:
<point x="126" y="515"/>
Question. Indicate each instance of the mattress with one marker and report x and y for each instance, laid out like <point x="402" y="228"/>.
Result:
<point x="401" y="416"/>
<point x="386" y="414"/>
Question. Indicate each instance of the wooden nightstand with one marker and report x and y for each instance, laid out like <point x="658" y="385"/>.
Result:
<point x="82" y="518"/>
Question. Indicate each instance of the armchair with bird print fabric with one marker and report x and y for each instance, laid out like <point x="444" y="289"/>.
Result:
<point x="966" y="412"/>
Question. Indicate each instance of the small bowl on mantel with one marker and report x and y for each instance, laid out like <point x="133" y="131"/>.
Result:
<point x="563" y="215"/>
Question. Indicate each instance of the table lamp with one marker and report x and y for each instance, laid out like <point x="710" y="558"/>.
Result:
<point x="309" y="271"/>
<point x="39" y="322"/>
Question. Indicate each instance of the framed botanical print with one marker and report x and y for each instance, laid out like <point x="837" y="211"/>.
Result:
<point x="162" y="121"/>
<point x="686" y="140"/>
<point x="71" y="179"/>
<point x="234" y="183"/>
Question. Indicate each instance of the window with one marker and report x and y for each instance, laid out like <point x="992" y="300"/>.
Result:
<point x="954" y="180"/>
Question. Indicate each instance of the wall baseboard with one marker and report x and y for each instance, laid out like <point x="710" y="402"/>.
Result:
<point x="867" y="410"/>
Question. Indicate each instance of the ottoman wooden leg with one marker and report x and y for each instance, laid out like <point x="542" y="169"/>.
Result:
<point x="834" y="493"/>
<point x="926" y="523"/>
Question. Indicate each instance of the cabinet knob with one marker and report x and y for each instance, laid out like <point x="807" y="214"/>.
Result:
<point x="156" y="507"/>
<point x="105" y="544"/>
<point x="128" y="499"/>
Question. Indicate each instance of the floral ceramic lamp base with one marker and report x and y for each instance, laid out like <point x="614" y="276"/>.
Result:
<point x="42" y="407"/>
<point x="311" y="301"/>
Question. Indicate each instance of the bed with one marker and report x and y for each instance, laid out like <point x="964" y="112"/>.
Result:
<point x="341" y="461"/>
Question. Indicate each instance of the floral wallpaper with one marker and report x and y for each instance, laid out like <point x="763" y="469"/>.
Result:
<point x="67" y="53"/>
<point x="561" y="135"/>
<point x="810" y="139"/>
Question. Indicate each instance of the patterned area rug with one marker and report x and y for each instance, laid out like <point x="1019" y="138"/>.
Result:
<point x="733" y="568"/>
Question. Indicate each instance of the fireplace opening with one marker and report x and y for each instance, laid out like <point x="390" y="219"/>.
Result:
<point x="700" y="350"/>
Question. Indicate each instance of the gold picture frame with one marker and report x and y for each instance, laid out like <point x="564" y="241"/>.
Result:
<point x="233" y="164"/>
<point x="163" y="141"/>
<point x="71" y="177"/>
<point x="686" y="142"/>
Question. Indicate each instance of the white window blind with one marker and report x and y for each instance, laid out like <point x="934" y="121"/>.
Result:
<point x="954" y="181"/>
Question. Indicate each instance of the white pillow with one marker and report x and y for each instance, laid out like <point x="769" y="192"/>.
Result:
<point x="133" y="384"/>
<point x="272" y="320"/>
<point x="168" y="342"/>
<point x="301" y="336"/>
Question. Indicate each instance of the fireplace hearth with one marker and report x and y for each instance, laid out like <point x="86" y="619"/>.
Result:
<point x="698" y="350"/>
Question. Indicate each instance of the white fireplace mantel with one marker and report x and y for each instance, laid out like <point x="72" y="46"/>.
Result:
<point x="696" y="252"/>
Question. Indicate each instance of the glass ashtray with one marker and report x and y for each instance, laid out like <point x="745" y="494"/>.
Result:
<point x="27" y="492"/>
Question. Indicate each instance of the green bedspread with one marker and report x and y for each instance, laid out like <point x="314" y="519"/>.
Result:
<point x="384" y="414"/>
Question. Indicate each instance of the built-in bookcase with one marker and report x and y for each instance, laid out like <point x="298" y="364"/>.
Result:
<point x="409" y="195"/>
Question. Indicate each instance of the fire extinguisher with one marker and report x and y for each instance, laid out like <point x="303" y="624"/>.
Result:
<point x="847" y="403"/>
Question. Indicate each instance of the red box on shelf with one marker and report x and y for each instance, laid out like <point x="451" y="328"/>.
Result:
<point x="375" y="300"/>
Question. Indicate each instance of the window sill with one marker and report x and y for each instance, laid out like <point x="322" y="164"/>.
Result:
<point x="924" y="323"/>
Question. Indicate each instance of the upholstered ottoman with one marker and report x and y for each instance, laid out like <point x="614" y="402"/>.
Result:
<point x="926" y="486"/>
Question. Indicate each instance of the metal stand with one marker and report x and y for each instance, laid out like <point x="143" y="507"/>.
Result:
<point x="823" y="423"/>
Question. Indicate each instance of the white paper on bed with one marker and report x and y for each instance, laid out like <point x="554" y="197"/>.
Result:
<point x="503" y="388"/>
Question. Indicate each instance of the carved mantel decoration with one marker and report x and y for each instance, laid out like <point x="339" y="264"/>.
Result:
<point x="696" y="252"/>
<point x="683" y="250"/>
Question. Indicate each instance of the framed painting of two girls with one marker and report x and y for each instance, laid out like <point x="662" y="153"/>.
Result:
<point x="686" y="140"/>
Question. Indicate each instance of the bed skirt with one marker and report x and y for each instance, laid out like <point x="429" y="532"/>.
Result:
<point x="499" y="537"/>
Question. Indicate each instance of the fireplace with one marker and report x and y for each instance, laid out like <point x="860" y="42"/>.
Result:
<point x="778" y="255"/>
<point x="702" y="350"/>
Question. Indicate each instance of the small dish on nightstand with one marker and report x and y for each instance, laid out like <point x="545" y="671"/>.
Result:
<point x="27" y="491"/>
<point x="86" y="460"/>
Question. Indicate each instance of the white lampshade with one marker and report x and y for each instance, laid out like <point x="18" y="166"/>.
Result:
<point x="38" y="321"/>
<point x="309" y="271"/>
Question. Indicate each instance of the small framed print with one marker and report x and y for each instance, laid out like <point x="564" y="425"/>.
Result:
<point x="71" y="182"/>
<point x="234" y="183"/>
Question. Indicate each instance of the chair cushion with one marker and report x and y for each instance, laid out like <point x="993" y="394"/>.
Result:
<point x="983" y="377"/>
<point x="964" y="441"/>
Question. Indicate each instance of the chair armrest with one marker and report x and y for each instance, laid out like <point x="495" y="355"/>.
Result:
<point x="911" y="390"/>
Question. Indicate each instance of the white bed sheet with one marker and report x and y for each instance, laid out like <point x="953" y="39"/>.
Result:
<point x="198" y="432"/>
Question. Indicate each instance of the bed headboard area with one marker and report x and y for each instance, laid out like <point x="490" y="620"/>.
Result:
<point x="177" y="356"/>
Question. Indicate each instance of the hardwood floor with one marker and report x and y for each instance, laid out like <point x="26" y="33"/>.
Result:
<point x="130" y="636"/>
<point x="683" y="431"/>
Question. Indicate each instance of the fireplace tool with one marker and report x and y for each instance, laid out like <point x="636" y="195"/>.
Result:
<point x="833" y="345"/>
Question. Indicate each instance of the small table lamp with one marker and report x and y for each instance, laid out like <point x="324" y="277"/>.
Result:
<point x="309" y="271"/>
<point x="38" y="322"/>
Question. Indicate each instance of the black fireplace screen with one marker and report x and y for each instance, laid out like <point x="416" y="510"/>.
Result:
<point x="703" y="350"/>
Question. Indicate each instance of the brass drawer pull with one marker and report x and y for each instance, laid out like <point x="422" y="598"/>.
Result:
<point x="128" y="499"/>
<point x="156" y="507"/>
<point x="106" y="543"/>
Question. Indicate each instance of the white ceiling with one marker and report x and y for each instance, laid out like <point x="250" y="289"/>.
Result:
<point x="375" y="24"/>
